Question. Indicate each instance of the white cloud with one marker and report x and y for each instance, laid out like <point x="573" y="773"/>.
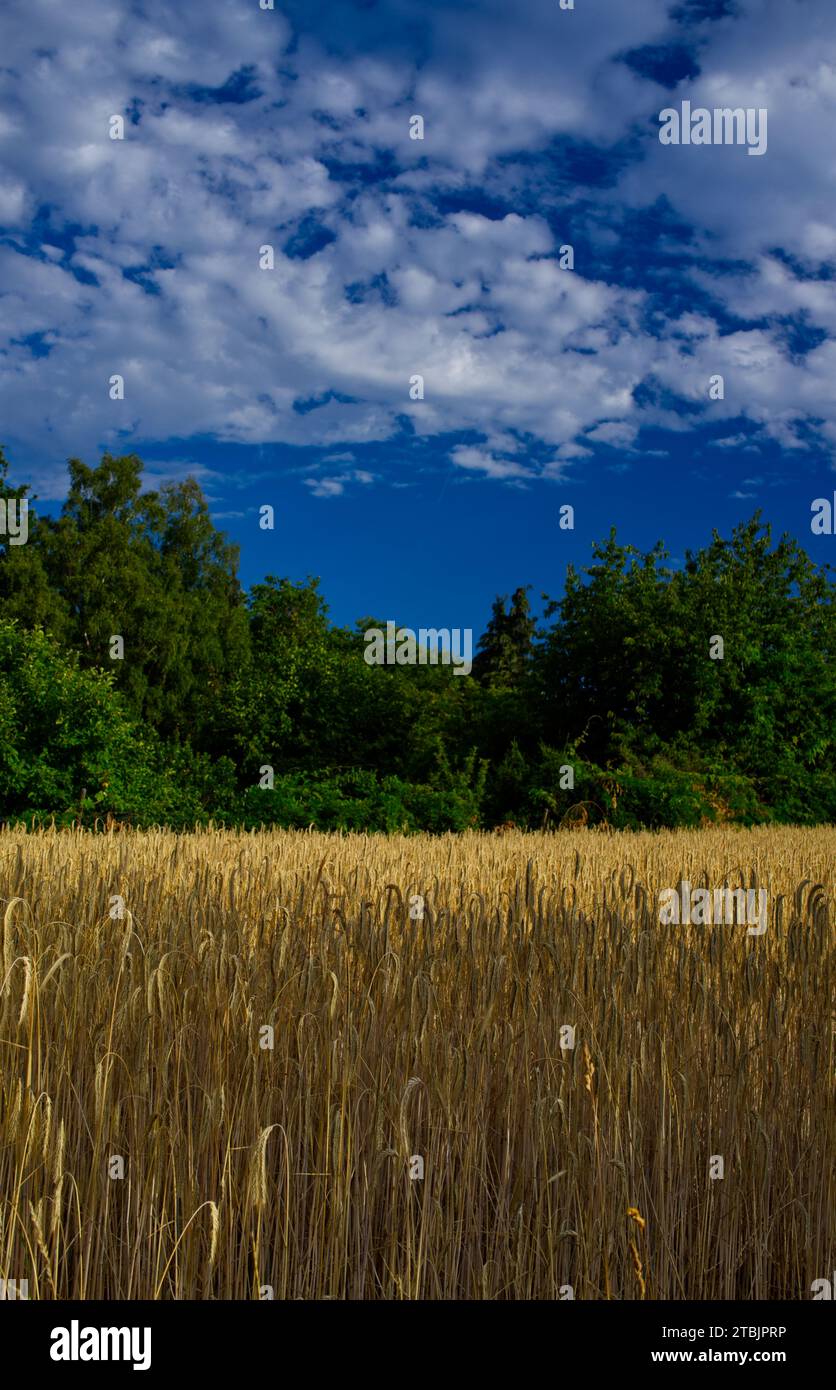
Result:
<point x="476" y="460"/>
<point x="335" y="485"/>
<point x="509" y="344"/>
<point x="617" y="433"/>
<point x="326" y="487"/>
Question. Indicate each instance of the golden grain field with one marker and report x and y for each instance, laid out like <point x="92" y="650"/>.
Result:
<point x="157" y="1141"/>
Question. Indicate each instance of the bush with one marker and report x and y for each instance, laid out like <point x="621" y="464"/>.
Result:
<point x="64" y="733"/>
<point x="356" y="799"/>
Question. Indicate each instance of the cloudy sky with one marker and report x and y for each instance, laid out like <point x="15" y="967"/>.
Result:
<point x="396" y="257"/>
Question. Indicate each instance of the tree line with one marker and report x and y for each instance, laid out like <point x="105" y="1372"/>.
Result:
<point x="609" y="709"/>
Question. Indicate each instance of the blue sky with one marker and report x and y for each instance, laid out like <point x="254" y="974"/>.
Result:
<point x="395" y="257"/>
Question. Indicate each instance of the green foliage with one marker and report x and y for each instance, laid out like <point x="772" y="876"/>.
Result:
<point x="618" y="685"/>
<point x="149" y="567"/>
<point x="506" y="647"/>
<point x="357" y="800"/>
<point x="64" y="731"/>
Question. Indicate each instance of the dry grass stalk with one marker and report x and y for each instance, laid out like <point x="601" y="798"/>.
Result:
<point x="157" y="1140"/>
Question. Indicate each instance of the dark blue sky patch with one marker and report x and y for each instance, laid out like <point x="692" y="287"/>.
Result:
<point x="569" y="163"/>
<point x="142" y="275"/>
<point x="239" y="88"/>
<point x="664" y="63"/>
<point x="449" y="202"/>
<point x="35" y="343"/>
<point x="699" y="11"/>
<point x="648" y="248"/>
<point x="477" y="308"/>
<point x="731" y="428"/>
<point x="808" y="429"/>
<point x="304" y="406"/>
<point x="651" y="392"/>
<point x="310" y="237"/>
<point x="654" y="250"/>
<point x="424" y="215"/>
<point x="797" y="335"/>
<point x="672" y="298"/>
<point x="379" y="168"/>
<point x="824" y="271"/>
<point x="377" y="288"/>
<point x="346" y="27"/>
<point x="325" y="118"/>
<point x="81" y="274"/>
<point x="48" y="226"/>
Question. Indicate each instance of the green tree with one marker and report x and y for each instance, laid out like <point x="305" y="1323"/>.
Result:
<point x="65" y="736"/>
<point x="768" y="707"/>
<point x="26" y="591"/>
<point x="151" y="568"/>
<point x="505" y="648"/>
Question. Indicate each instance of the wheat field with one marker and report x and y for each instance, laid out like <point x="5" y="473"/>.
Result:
<point x="298" y="1065"/>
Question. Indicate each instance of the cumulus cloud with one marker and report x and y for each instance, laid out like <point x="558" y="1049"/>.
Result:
<point x="335" y="485"/>
<point x="326" y="487"/>
<point x="141" y="257"/>
<point x="489" y="465"/>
